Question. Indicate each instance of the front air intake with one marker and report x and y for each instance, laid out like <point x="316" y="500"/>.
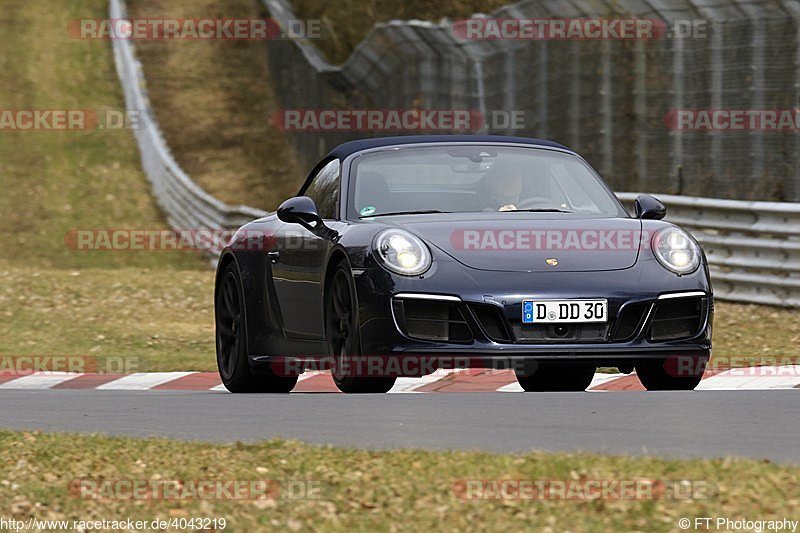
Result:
<point x="676" y="319"/>
<point x="431" y="320"/>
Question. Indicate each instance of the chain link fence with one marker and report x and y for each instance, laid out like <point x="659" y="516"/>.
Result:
<point x="607" y="99"/>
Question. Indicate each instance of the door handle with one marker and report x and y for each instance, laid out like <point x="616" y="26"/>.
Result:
<point x="274" y="256"/>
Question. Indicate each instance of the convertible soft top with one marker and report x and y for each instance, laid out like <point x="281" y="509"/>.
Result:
<point x="351" y="147"/>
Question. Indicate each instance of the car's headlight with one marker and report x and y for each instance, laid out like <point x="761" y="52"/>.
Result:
<point x="402" y="252"/>
<point x="676" y="250"/>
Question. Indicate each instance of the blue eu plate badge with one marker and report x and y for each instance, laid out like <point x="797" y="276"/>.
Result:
<point x="527" y="312"/>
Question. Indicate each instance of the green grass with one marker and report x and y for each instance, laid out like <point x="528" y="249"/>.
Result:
<point x="54" y="181"/>
<point x="404" y="490"/>
<point x="159" y="319"/>
<point x="154" y="306"/>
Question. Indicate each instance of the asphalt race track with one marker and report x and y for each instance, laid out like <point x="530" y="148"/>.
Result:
<point x="756" y="424"/>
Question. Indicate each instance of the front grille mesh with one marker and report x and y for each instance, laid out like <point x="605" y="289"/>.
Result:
<point x="678" y="319"/>
<point x="431" y="321"/>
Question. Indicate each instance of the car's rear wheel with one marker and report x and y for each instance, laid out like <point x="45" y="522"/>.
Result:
<point x="673" y="373"/>
<point x="344" y="344"/>
<point x="231" y="335"/>
<point x="555" y="377"/>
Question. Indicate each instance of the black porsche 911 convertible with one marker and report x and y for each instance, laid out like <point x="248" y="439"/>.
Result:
<point x="403" y="255"/>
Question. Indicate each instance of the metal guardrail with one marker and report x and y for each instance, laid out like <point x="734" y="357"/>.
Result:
<point x="187" y="206"/>
<point x="753" y="247"/>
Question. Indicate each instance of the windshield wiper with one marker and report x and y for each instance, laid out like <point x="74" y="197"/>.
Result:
<point x="420" y="212"/>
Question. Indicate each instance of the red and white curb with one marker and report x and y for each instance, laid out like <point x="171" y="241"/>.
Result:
<point x="469" y="380"/>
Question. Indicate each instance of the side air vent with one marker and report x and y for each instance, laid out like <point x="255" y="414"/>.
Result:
<point x="493" y="323"/>
<point x="629" y="321"/>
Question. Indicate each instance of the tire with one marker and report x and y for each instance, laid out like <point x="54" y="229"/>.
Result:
<point x="342" y="336"/>
<point x="664" y="373"/>
<point x="231" y="334"/>
<point x="556" y="377"/>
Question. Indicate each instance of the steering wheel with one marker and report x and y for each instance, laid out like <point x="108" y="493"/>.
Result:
<point x="537" y="201"/>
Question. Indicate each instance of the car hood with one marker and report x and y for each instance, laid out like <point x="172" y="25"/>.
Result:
<point x="535" y="242"/>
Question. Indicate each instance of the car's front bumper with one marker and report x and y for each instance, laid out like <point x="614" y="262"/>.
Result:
<point x="646" y="284"/>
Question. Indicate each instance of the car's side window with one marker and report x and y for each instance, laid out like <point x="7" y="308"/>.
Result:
<point x="324" y="190"/>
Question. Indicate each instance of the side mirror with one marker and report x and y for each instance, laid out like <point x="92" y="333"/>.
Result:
<point x="301" y="210"/>
<point x="648" y="207"/>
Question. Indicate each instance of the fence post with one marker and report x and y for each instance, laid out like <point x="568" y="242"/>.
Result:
<point x="678" y="103"/>
<point x="607" y="110"/>
<point x="640" y="109"/>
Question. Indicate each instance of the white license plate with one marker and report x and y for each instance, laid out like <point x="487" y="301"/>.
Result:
<point x="564" y="311"/>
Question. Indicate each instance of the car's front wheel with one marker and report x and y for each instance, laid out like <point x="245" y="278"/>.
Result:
<point x="672" y="373"/>
<point x="555" y="377"/>
<point x="231" y="335"/>
<point x="344" y="344"/>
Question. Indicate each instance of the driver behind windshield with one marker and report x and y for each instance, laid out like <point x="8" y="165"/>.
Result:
<point x="501" y="188"/>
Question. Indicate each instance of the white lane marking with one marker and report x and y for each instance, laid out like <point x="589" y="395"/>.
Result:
<point x="754" y="378"/>
<point x="512" y="387"/>
<point x="783" y="377"/>
<point x="305" y="375"/>
<point x="410" y="385"/>
<point x="600" y="379"/>
<point x="143" y="380"/>
<point x="39" y="380"/>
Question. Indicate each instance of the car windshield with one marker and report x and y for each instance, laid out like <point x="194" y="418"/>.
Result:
<point x="471" y="178"/>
